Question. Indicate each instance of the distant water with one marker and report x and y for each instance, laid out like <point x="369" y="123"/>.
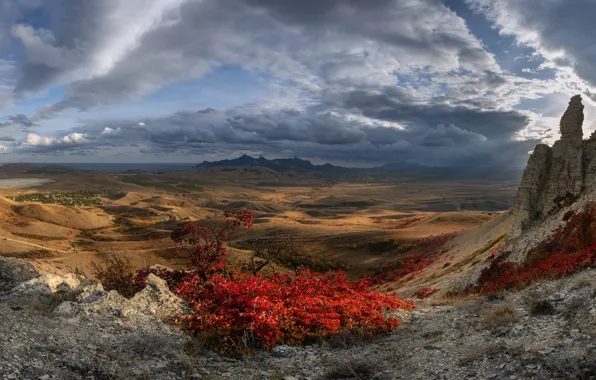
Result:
<point x="121" y="167"/>
<point x="22" y="183"/>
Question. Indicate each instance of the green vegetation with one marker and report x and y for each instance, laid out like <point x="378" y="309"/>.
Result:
<point x="130" y="225"/>
<point x="38" y="237"/>
<point x="191" y="187"/>
<point x="381" y="246"/>
<point x="91" y="235"/>
<point x="69" y="198"/>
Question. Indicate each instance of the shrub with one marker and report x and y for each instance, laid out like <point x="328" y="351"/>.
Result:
<point x="116" y="274"/>
<point x="284" y="308"/>
<point x="499" y="316"/>
<point x="542" y="307"/>
<point x="208" y="251"/>
<point x="571" y="249"/>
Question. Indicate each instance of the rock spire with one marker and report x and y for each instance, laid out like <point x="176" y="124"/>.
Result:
<point x="555" y="176"/>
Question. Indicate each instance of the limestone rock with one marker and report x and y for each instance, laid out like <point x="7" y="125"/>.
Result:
<point x="47" y="289"/>
<point x="52" y="284"/>
<point x="14" y="271"/>
<point x="556" y="176"/>
<point x="572" y="120"/>
<point x="157" y="299"/>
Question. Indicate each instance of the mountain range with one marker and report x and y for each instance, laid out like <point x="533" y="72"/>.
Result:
<point x="394" y="168"/>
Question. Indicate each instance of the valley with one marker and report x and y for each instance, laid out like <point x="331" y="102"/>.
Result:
<point x="72" y="218"/>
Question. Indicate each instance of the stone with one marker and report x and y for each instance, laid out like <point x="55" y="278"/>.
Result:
<point x="556" y="176"/>
<point x="157" y="299"/>
<point x="572" y="120"/>
<point x="13" y="271"/>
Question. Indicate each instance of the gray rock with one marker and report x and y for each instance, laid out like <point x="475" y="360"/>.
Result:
<point x="157" y="299"/>
<point x="556" y="176"/>
<point x="14" y="271"/>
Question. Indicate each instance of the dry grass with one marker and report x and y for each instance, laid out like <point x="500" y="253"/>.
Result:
<point x="499" y="316"/>
<point x="117" y="274"/>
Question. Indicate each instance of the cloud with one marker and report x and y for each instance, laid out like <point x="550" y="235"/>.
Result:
<point x="335" y="43"/>
<point x="369" y="80"/>
<point x="34" y="143"/>
<point x="82" y="40"/>
<point x="465" y="137"/>
<point x="21" y="120"/>
<point x="561" y="31"/>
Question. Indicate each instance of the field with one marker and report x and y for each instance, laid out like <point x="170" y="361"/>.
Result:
<point x="71" y="219"/>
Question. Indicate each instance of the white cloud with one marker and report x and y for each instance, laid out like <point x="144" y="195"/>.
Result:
<point x="35" y="140"/>
<point x="111" y="131"/>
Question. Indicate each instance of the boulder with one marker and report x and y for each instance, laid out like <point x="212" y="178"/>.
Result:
<point x="48" y="290"/>
<point x="157" y="299"/>
<point x="14" y="271"/>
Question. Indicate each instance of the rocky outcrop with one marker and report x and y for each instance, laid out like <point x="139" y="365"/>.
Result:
<point x="556" y="176"/>
<point x="14" y="271"/>
<point x="157" y="299"/>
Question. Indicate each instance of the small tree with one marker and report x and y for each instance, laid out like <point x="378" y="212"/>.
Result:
<point x="206" y="245"/>
<point x="266" y="251"/>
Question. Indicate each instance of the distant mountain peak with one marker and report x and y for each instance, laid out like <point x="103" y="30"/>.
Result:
<point x="279" y="164"/>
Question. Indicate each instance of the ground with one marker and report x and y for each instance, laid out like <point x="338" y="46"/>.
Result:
<point x="502" y="337"/>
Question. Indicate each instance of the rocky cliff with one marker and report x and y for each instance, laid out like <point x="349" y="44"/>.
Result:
<point x="556" y="176"/>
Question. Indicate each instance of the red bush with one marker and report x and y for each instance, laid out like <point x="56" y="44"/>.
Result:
<point x="571" y="248"/>
<point x="284" y="308"/>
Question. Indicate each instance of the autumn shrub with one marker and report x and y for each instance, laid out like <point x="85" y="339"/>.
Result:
<point x="571" y="248"/>
<point x="284" y="308"/>
<point x="117" y="273"/>
<point x="235" y="312"/>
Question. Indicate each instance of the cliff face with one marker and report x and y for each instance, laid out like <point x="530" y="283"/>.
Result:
<point x="556" y="176"/>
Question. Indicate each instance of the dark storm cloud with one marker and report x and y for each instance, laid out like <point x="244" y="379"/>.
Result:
<point x="22" y="121"/>
<point x="384" y="106"/>
<point x="305" y="134"/>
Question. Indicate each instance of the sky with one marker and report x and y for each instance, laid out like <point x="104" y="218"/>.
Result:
<point x="457" y="83"/>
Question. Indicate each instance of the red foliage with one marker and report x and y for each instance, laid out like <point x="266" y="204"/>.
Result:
<point x="241" y="312"/>
<point x="428" y="250"/>
<point x="571" y="249"/>
<point x="425" y="292"/>
<point x="284" y="308"/>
